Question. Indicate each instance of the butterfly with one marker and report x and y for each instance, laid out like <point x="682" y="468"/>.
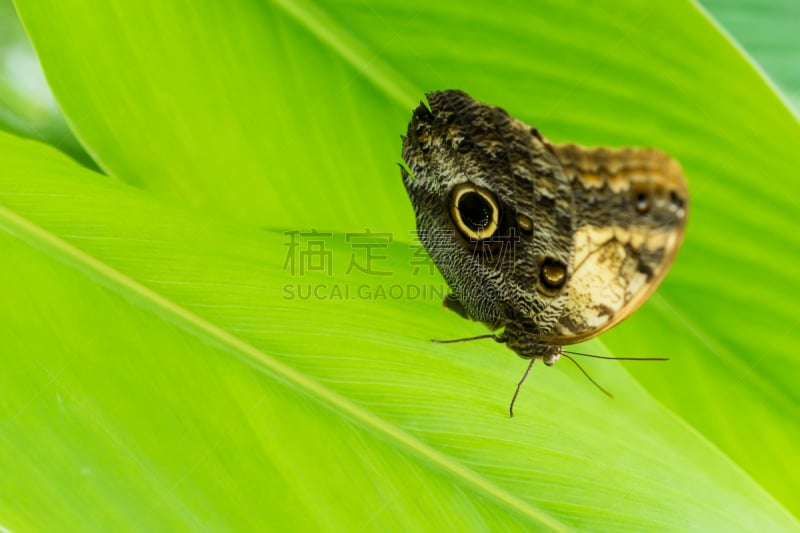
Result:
<point x="549" y="244"/>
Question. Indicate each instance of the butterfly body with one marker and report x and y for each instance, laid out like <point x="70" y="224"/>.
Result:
<point x="552" y="243"/>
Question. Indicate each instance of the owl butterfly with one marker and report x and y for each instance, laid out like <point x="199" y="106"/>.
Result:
<point x="553" y="243"/>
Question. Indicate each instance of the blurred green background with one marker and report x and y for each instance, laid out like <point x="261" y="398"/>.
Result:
<point x="162" y="371"/>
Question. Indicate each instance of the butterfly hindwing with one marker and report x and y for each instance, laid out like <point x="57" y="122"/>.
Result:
<point x="630" y="212"/>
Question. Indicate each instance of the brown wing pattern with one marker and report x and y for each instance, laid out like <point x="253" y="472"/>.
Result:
<point x="631" y="206"/>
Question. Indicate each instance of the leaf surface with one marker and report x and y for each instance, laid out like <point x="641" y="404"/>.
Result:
<point x="155" y="365"/>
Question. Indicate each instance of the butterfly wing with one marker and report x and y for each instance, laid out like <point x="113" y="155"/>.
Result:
<point x="630" y="208"/>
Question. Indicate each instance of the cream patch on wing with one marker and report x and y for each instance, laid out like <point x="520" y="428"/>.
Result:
<point x="607" y="276"/>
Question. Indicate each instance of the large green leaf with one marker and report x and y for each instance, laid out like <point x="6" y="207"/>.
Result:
<point x="286" y="114"/>
<point x="156" y="376"/>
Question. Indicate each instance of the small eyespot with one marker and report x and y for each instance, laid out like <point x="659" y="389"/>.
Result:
<point x="474" y="211"/>
<point x="553" y="274"/>
<point x="640" y="194"/>
<point x="677" y="204"/>
<point x="525" y="225"/>
<point x="642" y="202"/>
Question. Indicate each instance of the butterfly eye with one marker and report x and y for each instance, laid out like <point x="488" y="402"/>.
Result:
<point x="553" y="274"/>
<point x="475" y="211"/>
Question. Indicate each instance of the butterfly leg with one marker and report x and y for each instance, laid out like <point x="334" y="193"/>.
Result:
<point x="492" y="336"/>
<point x="519" y="386"/>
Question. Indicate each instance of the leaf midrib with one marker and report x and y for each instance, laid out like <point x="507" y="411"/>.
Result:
<point x="348" y="47"/>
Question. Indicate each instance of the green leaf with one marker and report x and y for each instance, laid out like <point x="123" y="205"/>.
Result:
<point x="156" y="376"/>
<point x="225" y="107"/>
<point x="285" y="114"/>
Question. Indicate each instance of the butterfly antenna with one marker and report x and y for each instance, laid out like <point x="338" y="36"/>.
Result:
<point x="596" y="384"/>
<point x="519" y="386"/>
<point x="618" y="358"/>
<point x="467" y="339"/>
